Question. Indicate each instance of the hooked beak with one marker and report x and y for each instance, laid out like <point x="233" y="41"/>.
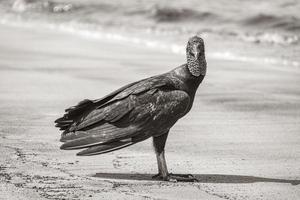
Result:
<point x="196" y="52"/>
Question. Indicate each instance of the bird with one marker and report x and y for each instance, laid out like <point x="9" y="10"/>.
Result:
<point x="144" y="109"/>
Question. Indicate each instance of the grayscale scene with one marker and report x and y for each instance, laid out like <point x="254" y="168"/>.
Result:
<point x="149" y="99"/>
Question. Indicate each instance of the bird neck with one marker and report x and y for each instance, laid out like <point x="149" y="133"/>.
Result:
<point x="184" y="80"/>
<point x="196" y="67"/>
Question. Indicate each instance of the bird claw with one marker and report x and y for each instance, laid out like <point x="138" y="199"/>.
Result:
<point x="176" y="178"/>
<point x="157" y="176"/>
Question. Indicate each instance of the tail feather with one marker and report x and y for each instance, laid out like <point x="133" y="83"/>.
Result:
<point x="84" y="142"/>
<point x="72" y="114"/>
<point x="88" y="138"/>
<point x="63" y="121"/>
<point x="113" y="146"/>
<point x="82" y="105"/>
<point x="105" y="148"/>
<point x="72" y="135"/>
<point x="105" y="128"/>
<point x="62" y="125"/>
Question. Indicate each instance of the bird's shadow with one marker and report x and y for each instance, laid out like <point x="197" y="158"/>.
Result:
<point x="202" y="178"/>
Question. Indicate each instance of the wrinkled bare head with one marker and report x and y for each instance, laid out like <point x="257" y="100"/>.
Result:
<point x="196" y="56"/>
<point x="195" y="47"/>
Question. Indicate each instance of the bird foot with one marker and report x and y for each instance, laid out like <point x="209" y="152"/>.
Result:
<point x="157" y="176"/>
<point x="176" y="178"/>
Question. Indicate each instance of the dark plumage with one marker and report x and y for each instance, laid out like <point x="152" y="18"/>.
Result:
<point x="135" y="112"/>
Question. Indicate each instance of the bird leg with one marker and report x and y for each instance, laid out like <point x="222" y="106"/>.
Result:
<point x="162" y="166"/>
<point x="163" y="174"/>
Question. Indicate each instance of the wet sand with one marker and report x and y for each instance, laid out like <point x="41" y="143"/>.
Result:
<point x="241" y="139"/>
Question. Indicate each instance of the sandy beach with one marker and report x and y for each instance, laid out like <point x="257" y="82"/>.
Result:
<point x="241" y="139"/>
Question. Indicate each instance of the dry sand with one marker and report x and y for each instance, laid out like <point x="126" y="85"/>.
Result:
<point x="241" y="139"/>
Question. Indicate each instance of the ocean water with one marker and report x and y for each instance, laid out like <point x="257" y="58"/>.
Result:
<point x="257" y="31"/>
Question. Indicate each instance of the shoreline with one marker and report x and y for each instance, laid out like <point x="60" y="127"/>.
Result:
<point x="232" y="140"/>
<point x="166" y="45"/>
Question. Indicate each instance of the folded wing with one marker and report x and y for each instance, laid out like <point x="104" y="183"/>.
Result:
<point x="115" y="121"/>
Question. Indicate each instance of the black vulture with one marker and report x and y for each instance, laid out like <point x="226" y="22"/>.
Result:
<point x="136" y="112"/>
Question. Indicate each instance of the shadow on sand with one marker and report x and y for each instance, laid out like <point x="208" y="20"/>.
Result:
<point x="203" y="178"/>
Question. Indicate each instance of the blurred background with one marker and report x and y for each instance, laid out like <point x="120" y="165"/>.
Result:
<point x="256" y="30"/>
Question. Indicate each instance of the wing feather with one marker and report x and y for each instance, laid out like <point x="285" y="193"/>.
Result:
<point x="87" y="139"/>
<point x="118" y="120"/>
<point x="105" y="148"/>
<point x="88" y="112"/>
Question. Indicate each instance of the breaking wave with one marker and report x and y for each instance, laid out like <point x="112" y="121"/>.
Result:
<point x="41" y="6"/>
<point x="289" y="23"/>
<point x="169" y="14"/>
<point x="109" y="19"/>
<point x="259" y="28"/>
